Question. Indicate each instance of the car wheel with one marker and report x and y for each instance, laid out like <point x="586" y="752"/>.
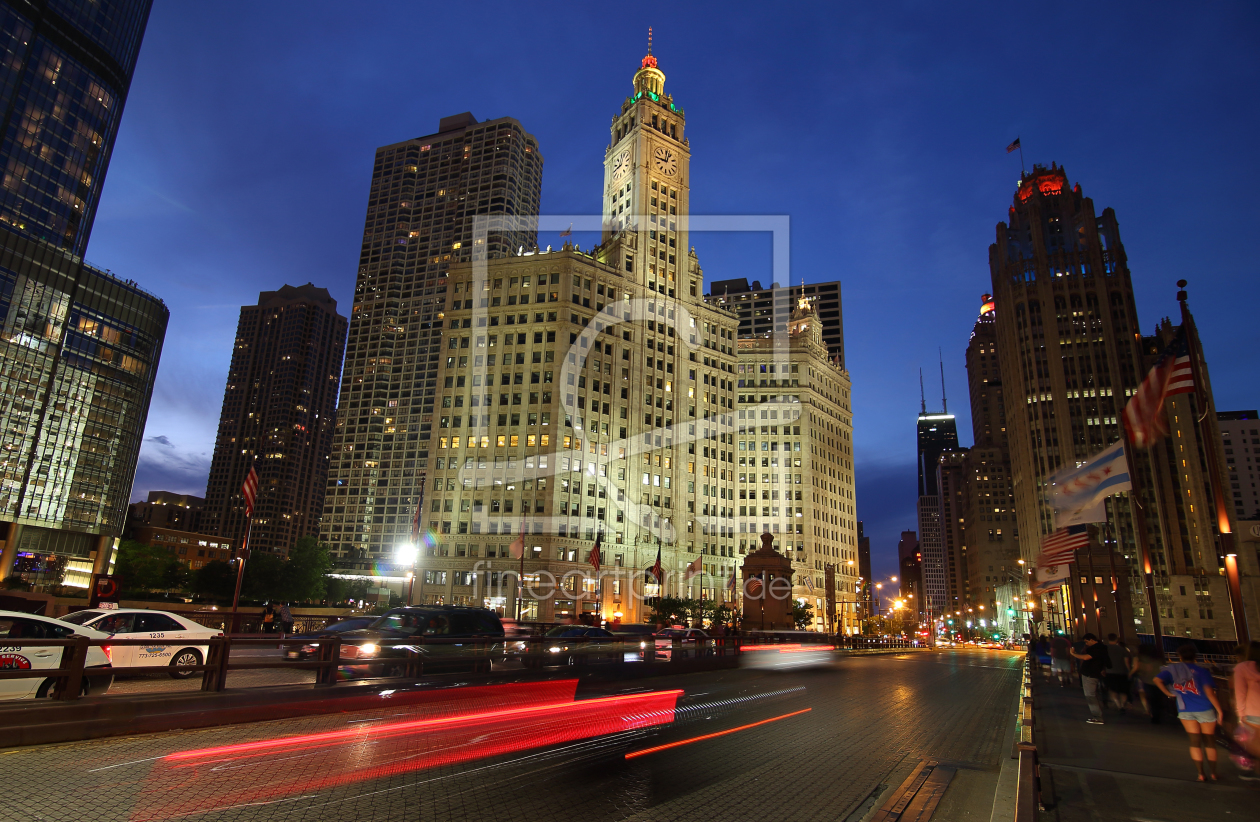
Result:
<point x="186" y="656"/>
<point x="48" y="690"/>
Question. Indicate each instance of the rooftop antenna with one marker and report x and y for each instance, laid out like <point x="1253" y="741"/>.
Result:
<point x="650" y="51"/>
<point x="922" y="397"/>
<point x="944" y="406"/>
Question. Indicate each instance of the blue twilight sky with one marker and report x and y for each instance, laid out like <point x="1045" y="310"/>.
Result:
<point x="246" y="148"/>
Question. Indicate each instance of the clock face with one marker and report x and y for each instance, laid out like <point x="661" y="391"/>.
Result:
<point x="666" y="163"/>
<point x="621" y="166"/>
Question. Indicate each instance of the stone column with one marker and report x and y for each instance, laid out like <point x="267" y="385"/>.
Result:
<point x="12" y="537"/>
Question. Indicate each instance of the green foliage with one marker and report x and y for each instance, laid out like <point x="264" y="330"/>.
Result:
<point x="215" y="580"/>
<point x="264" y="577"/>
<point x="305" y="573"/>
<point x="339" y="590"/>
<point x="143" y="567"/>
<point x="683" y="611"/>
<point x="802" y="615"/>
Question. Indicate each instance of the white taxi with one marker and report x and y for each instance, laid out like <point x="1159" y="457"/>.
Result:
<point x="137" y="623"/>
<point x="15" y="625"/>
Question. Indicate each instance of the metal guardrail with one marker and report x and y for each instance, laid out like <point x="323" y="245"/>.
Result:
<point x="1028" y="787"/>
<point x="418" y="654"/>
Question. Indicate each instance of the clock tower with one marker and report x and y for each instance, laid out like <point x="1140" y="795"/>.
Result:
<point x="646" y="187"/>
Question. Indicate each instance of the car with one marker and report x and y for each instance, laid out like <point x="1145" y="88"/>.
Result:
<point x="694" y="642"/>
<point x="381" y="648"/>
<point x="567" y="644"/>
<point x="15" y="625"/>
<point x="138" y="623"/>
<point x="306" y="646"/>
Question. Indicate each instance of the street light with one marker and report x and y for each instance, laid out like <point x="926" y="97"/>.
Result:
<point x="407" y="554"/>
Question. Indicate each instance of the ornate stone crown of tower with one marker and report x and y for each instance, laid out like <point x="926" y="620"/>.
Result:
<point x="646" y="186"/>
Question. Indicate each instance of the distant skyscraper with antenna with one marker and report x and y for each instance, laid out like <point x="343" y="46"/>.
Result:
<point x="938" y="433"/>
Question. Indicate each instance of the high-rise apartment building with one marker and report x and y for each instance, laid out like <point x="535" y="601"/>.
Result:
<point x="79" y="346"/>
<point x="910" y="573"/>
<point x="1240" y="439"/>
<point x="864" y="565"/>
<point x="1070" y="354"/>
<point x="470" y="191"/>
<point x="67" y="70"/>
<point x="279" y="411"/>
<point x="765" y="311"/>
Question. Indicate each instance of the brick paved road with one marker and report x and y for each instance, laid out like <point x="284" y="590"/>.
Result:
<point x="869" y="717"/>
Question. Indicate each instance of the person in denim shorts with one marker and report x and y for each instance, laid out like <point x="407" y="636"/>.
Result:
<point x="1197" y="705"/>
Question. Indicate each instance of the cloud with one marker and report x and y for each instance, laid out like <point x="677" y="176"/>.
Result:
<point x="165" y="466"/>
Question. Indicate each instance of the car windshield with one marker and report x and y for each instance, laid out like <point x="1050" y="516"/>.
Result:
<point x="399" y="621"/>
<point x="566" y="630"/>
<point x="81" y="617"/>
<point x="347" y="625"/>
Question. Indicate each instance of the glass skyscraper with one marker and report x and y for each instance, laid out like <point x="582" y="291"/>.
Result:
<point x="79" y="347"/>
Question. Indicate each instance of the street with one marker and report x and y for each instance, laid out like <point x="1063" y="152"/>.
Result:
<point x="800" y="744"/>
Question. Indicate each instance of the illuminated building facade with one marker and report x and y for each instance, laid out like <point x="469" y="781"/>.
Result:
<point x="79" y="346"/>
<point x="427" y="197"/>
<point x="279" y="410"/>
<point x="1240" y="440"/>
<point x="67" y="70"/>
<point x="937" y="434"/>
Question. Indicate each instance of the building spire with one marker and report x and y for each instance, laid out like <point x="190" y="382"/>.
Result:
<point x="922" y="396"/>
<point x="944" y="405"/>
<point x="649" y="61"/>
<point x="649" y="39"/>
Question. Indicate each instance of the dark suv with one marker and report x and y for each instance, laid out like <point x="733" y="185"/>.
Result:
<point x="443" y="638"/>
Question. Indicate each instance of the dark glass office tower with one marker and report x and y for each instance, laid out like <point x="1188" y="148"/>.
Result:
<point x="937" y="434"/>
<point x="79" y="347"/>
<point x="66" y="69"/>
<point x="279" y="409"/>
<point x="426" y="197"/>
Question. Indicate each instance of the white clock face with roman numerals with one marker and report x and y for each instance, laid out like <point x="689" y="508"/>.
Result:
<point x="621" y="166"/>
<point x="666" y="162"/>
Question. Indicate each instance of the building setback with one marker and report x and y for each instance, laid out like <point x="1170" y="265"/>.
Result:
<point x="79" y="347"/>
<point x="279" y="410"/>
<point x="1240" y="440"/>
<point x="764" y="311"/>
<point x="429" y="197"/>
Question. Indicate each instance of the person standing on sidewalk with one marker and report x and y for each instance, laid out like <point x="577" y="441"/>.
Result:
<point x="285" y="618"/>
<point x="1148" y="665"/>
<point x="1119" y="668"/>
<point x="1092" y="668"/>
<point x="1247" y="701"/>
<point x="1197" y="706"/>
<point x="1061" y="660"/>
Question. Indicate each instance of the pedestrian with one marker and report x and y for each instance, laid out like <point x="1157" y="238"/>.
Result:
<point x="1247" y="702"/>
<point x="1197" y="706"/>
<point x="1119" y="664"/>
<point x="269" y="619"/>
<point x="1093" y="666"/>
<point x="285" y="618"/>
<point x="1147" y="665"/>
<point x="1061" y="660"/>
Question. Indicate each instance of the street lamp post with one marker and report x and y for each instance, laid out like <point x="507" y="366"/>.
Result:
<point x="407" y="555"/>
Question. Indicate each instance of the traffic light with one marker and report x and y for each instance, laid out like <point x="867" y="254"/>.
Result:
<point x="1010" y="612"/>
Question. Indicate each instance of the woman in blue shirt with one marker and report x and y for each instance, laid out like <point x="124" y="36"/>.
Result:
<point x="1197" y="706"/>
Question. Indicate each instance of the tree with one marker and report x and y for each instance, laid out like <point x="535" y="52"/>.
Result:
<point x="304" y="574"/>
<point x="142" y="567"/>
<point x="264" y="577"/>
<point x="175" y="576"/>
<point x="802" y="615"/>
<point x="215" y="580"/>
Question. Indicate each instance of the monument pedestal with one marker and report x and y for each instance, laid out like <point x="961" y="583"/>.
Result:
<point x="767" y="576"/>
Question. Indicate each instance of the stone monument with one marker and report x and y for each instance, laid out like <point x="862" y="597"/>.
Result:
<point x="767" y="590"/>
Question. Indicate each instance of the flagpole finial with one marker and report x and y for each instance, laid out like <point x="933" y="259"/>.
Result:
<point x="1181" y="293"/>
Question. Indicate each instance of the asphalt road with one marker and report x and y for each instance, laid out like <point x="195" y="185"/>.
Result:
<point x="802" y="744"/>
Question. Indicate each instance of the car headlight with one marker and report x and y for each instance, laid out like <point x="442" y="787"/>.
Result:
<point x="368" y="649"/>
<point x="642" y="644"/>
<point x="554" y="649"/>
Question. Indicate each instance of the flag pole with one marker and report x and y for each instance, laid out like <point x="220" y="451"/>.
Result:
<point x="1139" y="526"/>
<point x="1225" y="531"/>
<point x="240" y="570"/>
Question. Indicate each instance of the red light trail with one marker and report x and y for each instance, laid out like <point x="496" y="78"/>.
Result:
<point x="681" y="742"/>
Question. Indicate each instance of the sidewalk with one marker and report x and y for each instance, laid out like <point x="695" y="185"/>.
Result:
<point x="1127" y="769"/>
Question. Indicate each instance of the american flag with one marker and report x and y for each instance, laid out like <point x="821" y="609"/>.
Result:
<point x="753" y="587"/>
<point x="1060" y="547"/>
<point x="656" y="572"/>
<point x="730" y="583"/>
<point x="250" y="491"/>
<point x="1012" y="146"/>
<point x="1144" y="416"/>
<point x="595" y="554"/>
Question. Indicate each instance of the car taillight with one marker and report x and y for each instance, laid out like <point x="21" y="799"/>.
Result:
<point x="109" y="653"/>
<point x="349" y="651"/>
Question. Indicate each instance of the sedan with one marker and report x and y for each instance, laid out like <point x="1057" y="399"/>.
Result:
<point x="566" y="644"/>
<point x="137" y="623"/>
<point x="15" y="625"/>
<point x="306" y="646"/>
<point x="693" y="642"/>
